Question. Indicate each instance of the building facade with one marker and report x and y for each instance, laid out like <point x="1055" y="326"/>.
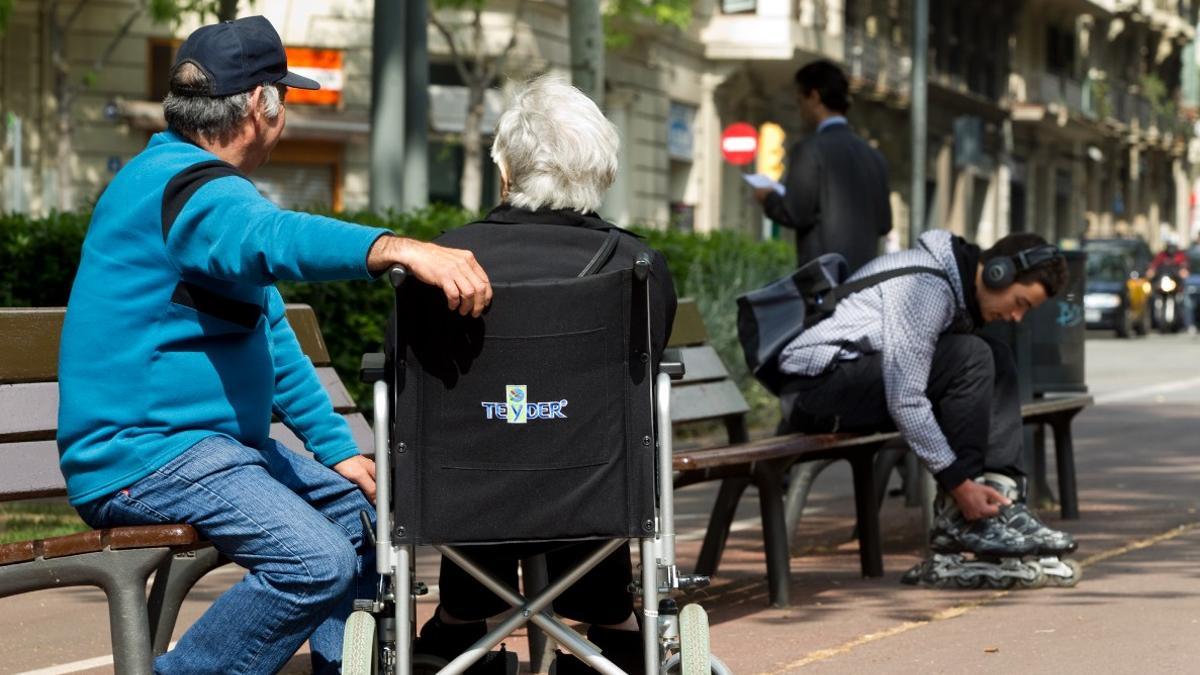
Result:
<point x="1061" y="117"/>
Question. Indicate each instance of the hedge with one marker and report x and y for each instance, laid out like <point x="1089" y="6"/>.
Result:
<point x="38" y="258"/>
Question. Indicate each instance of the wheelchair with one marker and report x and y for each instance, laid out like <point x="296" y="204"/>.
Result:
<point x="551" y="394"/>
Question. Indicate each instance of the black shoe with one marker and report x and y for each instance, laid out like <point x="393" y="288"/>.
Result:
<point x="622" y="647"/>
<point x="447" y="641"/>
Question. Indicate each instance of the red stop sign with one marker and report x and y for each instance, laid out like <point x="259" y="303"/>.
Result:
<point x="739" y="142"/>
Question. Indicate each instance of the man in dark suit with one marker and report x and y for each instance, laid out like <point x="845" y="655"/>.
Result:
<point x="837" y="190"/>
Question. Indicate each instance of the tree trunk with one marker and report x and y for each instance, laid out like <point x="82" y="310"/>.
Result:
<point x="471" y="186"/>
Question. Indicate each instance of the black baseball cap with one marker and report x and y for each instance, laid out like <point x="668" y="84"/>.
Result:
<point x="237" y="56"/>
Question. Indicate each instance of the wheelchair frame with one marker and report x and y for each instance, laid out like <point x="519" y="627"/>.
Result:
<point x="668" y="642"/>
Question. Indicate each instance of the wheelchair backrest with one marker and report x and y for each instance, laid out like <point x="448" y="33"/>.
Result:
<point x="532" y="422"/>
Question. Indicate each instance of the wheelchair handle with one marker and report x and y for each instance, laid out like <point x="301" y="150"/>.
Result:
<point x="396" y="275"/>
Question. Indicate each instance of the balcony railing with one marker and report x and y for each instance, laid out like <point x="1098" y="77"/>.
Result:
<point x="878" y="63"/>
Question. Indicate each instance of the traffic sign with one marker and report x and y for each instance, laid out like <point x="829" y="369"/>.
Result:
<point x="739" y="142"/>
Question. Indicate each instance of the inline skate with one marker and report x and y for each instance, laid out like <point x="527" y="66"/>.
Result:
<point x="1011" y="549"/>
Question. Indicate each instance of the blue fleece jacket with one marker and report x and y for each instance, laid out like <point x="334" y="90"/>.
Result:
<point x="174" y="334"/>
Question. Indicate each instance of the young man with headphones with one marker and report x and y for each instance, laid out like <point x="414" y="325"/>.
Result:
<point x="904" y="353"/>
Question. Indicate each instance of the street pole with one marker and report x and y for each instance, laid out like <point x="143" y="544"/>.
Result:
<point x="916" y="216"/>
<point x="916" y="223"/>
<point x="587" y="48"/>
<point x="387" y="106"/>
<point x="416" y="105"/>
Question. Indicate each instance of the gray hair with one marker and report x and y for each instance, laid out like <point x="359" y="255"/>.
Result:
<point x="555" y="147"/>
<point x="211" y="116"/>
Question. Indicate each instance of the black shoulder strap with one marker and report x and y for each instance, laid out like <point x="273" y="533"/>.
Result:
<point x="602" y="254"/>
<point x="866" y="282"/>
<point x="184" y="184"/>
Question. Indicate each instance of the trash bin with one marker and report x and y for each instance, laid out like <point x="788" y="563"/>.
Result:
<point x="1049" y="343"/>
<point x="1057" y="333"/>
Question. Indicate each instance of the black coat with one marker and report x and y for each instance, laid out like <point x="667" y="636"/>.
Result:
<point x="837" y="197"/>
<point x="514" y="244"/>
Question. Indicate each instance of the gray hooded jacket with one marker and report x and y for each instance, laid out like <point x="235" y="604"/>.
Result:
<point x="901" y="318"/>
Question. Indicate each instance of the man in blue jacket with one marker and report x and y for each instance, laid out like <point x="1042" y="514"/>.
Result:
<point x="176" y="352"/>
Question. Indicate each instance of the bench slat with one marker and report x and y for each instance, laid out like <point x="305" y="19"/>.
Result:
<point x="688" y="328"/>
<point x="692" y="403"/>
<point x="29" y="411"/>
<point x="774" y="447"/>
<point x="701" y="364"/>
<point x="29" y="343"/>
<point x="31" y="467"/>
<point x="29" y="339"/>
<point x="1055" y="405"/>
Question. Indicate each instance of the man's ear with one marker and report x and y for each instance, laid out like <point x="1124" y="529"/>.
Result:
<point x="255" y="111"/>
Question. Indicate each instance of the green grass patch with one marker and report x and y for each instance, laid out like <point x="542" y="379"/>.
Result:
<point x="38" y="520"/>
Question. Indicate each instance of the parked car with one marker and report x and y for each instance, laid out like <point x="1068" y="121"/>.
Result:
<point x="1117" y="294"/>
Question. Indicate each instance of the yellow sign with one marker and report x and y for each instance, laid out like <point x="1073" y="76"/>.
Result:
<point x="771" y="152"/>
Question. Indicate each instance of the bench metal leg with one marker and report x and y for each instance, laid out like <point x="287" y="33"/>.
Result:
<point x="121" y="575"/>
<point x="768" y="479"/>
<point x="803" y="475"/>
<point x="1064" y="457"/>
<point x="867" y="510"/>
<point x="886" y="461"/>
<point x="535" y="578"/>
<point x="173" y="580"/>
<point x="719" y="523"/>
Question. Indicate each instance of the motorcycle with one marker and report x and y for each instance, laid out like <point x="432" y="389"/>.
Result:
<point x="1168" y="288"/>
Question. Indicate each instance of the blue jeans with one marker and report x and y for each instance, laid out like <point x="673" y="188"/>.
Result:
<point x="290" y="521"/>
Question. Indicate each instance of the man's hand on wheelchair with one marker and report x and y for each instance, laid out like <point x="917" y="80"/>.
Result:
<point x="360" y="471"/>
<point x="453" y="270"/>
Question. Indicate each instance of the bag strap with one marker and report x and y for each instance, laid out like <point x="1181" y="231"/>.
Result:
<point x="602" y="254"/>
<point x="840" y="292"/>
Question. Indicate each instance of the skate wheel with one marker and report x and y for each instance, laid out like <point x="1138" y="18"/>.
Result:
<point x="1076" y="574"/>
<point x="1037" y="582"/>
<point x="358" y="644"/>
<point x="693" y="641"/>
<point x="966" y="582"/>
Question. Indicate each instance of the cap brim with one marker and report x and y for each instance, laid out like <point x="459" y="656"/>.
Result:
<point x="298" y="81"/>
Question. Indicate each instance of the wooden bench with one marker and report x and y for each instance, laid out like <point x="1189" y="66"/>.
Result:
<point x="120" y="560"/>
<point x="704" y="394"/>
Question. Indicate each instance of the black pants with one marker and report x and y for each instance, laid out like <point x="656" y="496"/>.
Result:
<point x="601" y="597"/>
<point x="972" y="386"/>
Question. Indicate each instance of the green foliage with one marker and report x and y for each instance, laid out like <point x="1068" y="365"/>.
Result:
<point x="175" y="11"/>
<point x="6" y="8"/>
<point x="715" y="269"/>
<point x="619" y="14"/>
<point x="38" y="259"/>
<point x="38" y="520"/>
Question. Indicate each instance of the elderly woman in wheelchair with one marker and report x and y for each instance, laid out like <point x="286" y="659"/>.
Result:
<point x="542" y="427"/>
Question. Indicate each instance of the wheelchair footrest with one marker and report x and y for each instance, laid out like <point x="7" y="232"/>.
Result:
<point x="688" y="582"/>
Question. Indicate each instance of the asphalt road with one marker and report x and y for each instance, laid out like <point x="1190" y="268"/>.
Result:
<point x="1136" y="611"/>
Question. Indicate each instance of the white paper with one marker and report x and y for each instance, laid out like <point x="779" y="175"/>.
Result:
<point x="758" y="180"/>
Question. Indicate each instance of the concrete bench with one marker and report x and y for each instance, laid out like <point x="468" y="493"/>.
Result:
<point x="706" y="394"/>
<point x="120" y="560"/>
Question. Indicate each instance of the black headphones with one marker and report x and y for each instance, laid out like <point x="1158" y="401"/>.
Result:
<point x="1000" y="272"/>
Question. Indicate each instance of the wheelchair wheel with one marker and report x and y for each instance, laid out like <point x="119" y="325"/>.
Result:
<point x="358" y="644"/>
<point x="693" y="641"/>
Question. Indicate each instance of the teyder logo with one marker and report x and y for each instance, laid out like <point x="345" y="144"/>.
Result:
<point x="516" y="410"/>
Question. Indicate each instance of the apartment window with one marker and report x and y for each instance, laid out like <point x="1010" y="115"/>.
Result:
<point x="1060" y="50"/>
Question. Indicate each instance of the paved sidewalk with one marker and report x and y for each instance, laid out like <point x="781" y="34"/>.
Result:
<point x="1136" y="609"/>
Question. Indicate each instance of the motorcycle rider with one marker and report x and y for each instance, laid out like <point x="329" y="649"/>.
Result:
<point x="1174" y="262"/>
